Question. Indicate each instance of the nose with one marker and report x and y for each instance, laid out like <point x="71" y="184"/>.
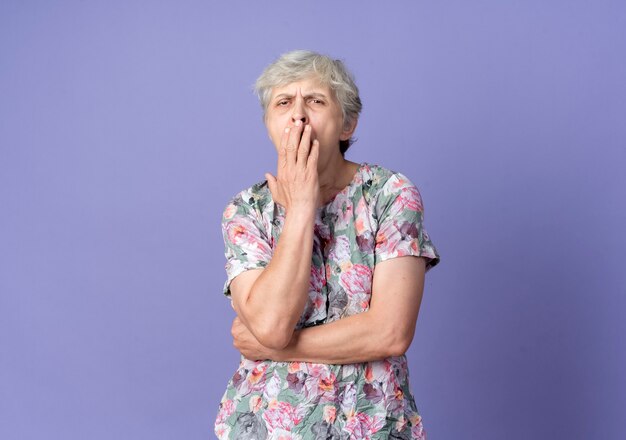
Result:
<point x="299" y="112"/>
<point x="296" y="117"/>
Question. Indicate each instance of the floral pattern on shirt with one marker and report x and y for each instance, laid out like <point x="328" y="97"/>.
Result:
<point x="378" y="216"/>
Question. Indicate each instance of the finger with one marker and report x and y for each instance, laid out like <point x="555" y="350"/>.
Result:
<point x="311" y="163"/>
<point x="285" y="135"/>
<point x="282" y="162"/>
<point x="284" y="138"/>
<point x="292" y="143"/>
<point x="275" y="191"/>
<point x="271" y="182"/>
<point x="304" y="148"/>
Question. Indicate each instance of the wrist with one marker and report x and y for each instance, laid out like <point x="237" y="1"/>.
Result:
<point x="301" y="213"/>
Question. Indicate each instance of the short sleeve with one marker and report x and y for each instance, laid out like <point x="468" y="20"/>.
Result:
<point x="246" y="244"/>
<point x="400" y="223"/>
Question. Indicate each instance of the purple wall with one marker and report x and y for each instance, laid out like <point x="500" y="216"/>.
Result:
<point x="126" y="126"/>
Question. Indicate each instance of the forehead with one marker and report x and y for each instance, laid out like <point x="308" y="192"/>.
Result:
<point x="304" y="86"/>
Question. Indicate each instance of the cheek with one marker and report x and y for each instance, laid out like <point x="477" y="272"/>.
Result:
<point x="272" y="128"/>
<point x="275" y="135"/>
<point x="324" y="129"/>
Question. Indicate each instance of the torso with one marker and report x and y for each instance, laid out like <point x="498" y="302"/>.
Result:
<point x="310" y="400"/>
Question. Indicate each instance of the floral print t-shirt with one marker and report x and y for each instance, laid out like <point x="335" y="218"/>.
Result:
<point x="376" y="217"/>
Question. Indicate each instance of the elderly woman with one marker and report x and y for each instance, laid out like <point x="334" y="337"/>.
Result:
<point x="325" y="263"/>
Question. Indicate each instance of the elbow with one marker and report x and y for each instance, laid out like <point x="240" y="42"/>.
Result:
<point x="397" y="342"/>
<point x="274" y="337"/>
<point x="388" y="338"/>
<point x="269" y="329"/>
<point x="400" y="347"/>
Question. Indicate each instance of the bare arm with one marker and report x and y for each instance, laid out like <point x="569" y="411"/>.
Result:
<point x="386" y="329"/>
<point x="269" y="301"/>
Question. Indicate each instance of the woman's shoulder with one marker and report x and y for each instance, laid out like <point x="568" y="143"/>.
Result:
<point x="254" y="198"/>
<point x="378" y="179"/>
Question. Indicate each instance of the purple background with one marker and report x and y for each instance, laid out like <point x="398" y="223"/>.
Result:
<point x="125" y="127"/>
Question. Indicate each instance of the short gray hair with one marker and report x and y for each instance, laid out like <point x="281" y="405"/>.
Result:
<point x="301" y="64"/>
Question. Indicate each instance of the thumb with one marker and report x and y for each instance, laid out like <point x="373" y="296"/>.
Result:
<point x="271" y="183"/>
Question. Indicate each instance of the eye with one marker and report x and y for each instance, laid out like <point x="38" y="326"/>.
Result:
<point x="316" y="101"/>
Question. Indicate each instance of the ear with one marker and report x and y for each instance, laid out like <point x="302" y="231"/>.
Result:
<point x="348" y="129"/>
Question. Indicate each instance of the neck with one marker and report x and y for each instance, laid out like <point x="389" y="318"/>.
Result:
<point x="334" y="176"/>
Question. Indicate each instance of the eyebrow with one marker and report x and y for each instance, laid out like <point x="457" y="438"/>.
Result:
<point x="306" y="95"/>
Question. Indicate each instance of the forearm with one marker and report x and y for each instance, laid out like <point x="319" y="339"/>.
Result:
<point x="278" y="296"/>
<point x="358" y="338"/>
<point x="385" y="329"/>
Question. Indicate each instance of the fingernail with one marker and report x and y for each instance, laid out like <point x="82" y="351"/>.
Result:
<point x="287" y="130"/>
<point x="298" y="123"/>
<point x="307" y="128"/>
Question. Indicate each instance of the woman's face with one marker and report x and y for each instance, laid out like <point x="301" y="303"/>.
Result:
<point x="313" y="103"/>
